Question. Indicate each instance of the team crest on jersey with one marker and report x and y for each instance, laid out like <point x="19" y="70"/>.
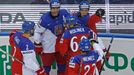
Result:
<point x="58" y="29"/>
<point x="71" y="63"/>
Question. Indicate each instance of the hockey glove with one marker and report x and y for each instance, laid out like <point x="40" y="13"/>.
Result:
<point x="100" y="12"/>
<point x="41" y="71"/>
<point x="107" y="55"/>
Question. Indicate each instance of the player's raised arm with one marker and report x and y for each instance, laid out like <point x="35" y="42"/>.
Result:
<point x="95" y="18"/>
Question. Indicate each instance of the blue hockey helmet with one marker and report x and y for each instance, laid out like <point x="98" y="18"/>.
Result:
<point x="84" y="5"/>
<point x="54" y="3"/>
<point x="28" y="26"/>
<point x="70" y="21"/>
<point x="85" y="45"/>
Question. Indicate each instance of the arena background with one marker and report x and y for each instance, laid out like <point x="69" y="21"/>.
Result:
<point x="118" y="22"/>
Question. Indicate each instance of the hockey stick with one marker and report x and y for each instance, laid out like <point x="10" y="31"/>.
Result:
<point x="80" y="67"/>
<point x="11" y="56"/>
<point x="111" y="41"/>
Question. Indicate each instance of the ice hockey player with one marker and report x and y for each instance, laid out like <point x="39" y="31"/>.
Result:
<point x="23" y="49"/>
<point x="86" y="19"/>
<point x="90" y="21"/>
<point x="84" y="63"/>
<point x="71" y="38"/>
<point x="47" y="36"/>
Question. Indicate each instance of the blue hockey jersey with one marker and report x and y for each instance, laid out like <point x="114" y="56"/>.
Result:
<point x="84" y="64"/>
<point x="89" y="58"/>
<point x="23" y="43"/>
<point x="54" y="24"/>
<point x="71" y="38"/>
<point x="83" y="20"/>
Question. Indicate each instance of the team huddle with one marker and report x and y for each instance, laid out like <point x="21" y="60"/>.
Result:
<point x="69" y="39"/>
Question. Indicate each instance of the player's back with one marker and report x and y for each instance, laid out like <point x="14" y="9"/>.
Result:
<point x="74" y="36"/>
<point x="22" y="42"/>
<point x="86" y="62"/>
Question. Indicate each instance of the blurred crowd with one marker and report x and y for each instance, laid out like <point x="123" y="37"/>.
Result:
<point x="65" y="1"/>
<point x="91" y="1"/>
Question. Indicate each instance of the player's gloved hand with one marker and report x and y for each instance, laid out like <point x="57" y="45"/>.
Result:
<point x="41" y="71"/>
<point x="38" y="48"/>
<point x="107" y="55"/>
<point x="100" y="12"/>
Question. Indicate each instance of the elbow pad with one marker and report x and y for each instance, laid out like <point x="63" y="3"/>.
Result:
<point x="30" y="61"/>
<point x="99" y="49"/>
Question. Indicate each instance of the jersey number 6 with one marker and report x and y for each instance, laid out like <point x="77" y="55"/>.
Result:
<point x="73" y="44"/>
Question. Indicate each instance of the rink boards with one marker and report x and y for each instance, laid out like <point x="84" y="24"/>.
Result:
<point x="121" y="61"/>
<point x="121" y="16"/>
